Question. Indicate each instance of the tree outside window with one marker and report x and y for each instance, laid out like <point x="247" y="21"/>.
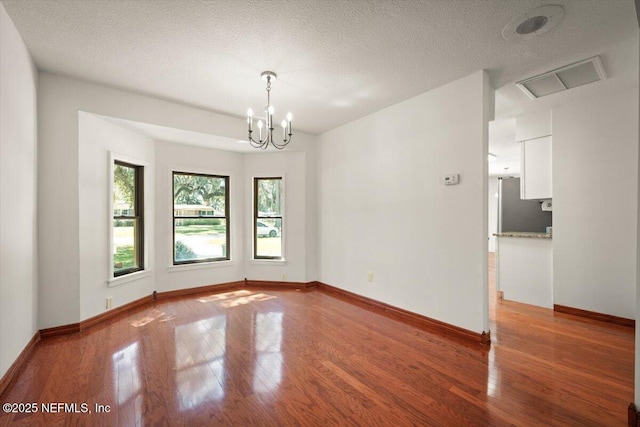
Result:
<point x="200" y="218"/>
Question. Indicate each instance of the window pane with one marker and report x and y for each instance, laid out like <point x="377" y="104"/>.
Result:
<point x="199" y="239"/>
<point x="205" y="237"/>
<point x="269" y="200"/>
<point x="269" y="241"/>
<point x="195" y="195"/>
<point x="125" y="250"/>
<point x="124" y="190"/>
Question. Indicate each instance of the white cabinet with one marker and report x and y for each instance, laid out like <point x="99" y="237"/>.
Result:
<point x="535" y="169"/>
<point x="533" y="131"/>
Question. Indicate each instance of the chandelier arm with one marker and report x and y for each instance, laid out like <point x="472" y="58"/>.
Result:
<point x="264" y="143"/>
<point x="257" y="144"/>
<point x="285" y="142"/>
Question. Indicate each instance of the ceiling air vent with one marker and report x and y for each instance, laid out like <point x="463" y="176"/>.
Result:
<point x="574" y="75"/>
<point x="533" y="23"/>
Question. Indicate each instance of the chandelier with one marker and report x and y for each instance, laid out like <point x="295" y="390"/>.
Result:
<point x="261" y="142"/>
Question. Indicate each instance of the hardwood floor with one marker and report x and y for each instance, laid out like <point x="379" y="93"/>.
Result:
<point x="276" y="357"/>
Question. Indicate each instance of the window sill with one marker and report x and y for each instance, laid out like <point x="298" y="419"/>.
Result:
<point x="268" y="262"/>
<point x="199" y="266"/>
<point x="121" y="280"/>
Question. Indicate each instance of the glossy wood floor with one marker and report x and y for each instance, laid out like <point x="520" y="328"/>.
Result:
<point x="306" y="358"/>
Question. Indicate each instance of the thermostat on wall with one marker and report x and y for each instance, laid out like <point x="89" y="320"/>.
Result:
<point x="452" y="179"/>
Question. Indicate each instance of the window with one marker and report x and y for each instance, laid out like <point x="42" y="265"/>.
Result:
<point x="200" y="218"/>
<point x="128" y="218"/>
<point x="267" y="214"/>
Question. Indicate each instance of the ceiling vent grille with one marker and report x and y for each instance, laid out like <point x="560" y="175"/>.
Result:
<point x="574" y="75"/>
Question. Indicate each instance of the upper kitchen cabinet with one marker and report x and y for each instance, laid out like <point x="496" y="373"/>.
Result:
<point x="535" y="169"/>
<point x="533" y="131"/>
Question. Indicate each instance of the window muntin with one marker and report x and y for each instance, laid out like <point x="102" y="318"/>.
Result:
<point x="200" y="218"/>
<point x="267" y="218"/>
<point x="128" y="218"/>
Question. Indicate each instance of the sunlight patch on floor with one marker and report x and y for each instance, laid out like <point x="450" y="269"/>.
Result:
<point x="153" y="315"/>
<point x="236" y="298"/>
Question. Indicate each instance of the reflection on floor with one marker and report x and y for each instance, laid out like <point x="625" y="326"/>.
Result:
<point x="276" y="357"/>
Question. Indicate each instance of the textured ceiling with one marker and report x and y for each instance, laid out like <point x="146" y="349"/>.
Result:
<point x="336" y="60"/>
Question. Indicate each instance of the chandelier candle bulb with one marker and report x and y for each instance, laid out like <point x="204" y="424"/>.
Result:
<point x="270" y="117"/>
<point x="284" y="130"/>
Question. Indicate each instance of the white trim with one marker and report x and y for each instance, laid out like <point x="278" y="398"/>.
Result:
<point x="200" y="266"/>
<point x="272" y="262"/>
<point x="121" y="280"/>
<point x="146" y="170"/>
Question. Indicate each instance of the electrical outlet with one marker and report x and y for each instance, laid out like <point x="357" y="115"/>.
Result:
<point x="109" y="302"/>
<point x="284" y="276"/>
<point x="370" y="277"/>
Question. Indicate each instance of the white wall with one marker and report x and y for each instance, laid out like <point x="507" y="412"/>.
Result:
<point x="72" y="293"/>
<point x="637" y="334"/>
<point x="18" y="137"/>
<point x="383" y="207"/>
<point x="595" y="206"/>
<point x="637" y="346"/>
<point x="311" y="211"/>
<point x="97" y="140"/>
<point x="184" y="158"/>
<point x="492" y="200"/>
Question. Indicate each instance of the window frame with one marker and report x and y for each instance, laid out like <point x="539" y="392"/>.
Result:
<point x="227" y="218"/>
<point x="138" y="207"/>
<point x="257" y="218"/>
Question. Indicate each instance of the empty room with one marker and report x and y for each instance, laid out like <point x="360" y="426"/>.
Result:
<point x="345" y="212"/>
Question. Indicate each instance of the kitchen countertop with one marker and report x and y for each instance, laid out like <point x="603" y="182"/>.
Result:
<point x="526" y="234"/>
